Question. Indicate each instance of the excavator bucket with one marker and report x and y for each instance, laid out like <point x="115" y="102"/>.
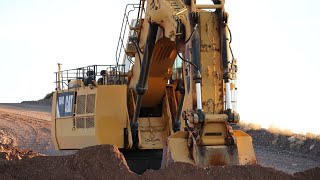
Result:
<point x="179" y="148"/>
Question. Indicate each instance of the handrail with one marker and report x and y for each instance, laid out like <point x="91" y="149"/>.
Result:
<point x="112" y="74"/>
<point x="124" y="31"/>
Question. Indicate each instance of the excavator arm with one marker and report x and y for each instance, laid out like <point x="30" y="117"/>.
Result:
<point x="200" y="39"/>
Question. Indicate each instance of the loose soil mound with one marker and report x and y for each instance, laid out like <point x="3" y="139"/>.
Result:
<point x="106" y="162"/>
<point x="97" y="162"/>
<point x="309" y="174"/>
<point x="8" y="153"/>
<point x="188" y="171"/>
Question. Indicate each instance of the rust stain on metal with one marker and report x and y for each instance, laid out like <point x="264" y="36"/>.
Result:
<point x="217" y="160"/>
<point x="252" y="160"/>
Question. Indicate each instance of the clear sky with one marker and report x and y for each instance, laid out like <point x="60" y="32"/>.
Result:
<point x="275" y="43"/>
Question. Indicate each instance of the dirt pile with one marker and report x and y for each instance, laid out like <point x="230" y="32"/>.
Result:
<point x="98" y="162"/>
<point x="8" y="153"/>
<point x="106" y="162"/>
<point x="309" y="174"/>
<point x="188" y="171"/>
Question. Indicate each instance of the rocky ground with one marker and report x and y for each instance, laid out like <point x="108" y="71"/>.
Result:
<point x="284" y="150"/>
<point x="25" y="126"/>
<point x="9" y="153"/>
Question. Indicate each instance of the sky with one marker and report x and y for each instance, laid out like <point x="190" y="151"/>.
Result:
<point x="275" y="44"/>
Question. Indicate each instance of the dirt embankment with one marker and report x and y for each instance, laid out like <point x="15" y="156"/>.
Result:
<point x="295" y="143"/>
<point x="28" y="129"/>
<point x="282" y="149"/>
<point x="106" y="162"/>
<point x="98" y="162"/>
<point x="284" y="140"/>
<point x="47" y="101"/>
<point x="8" y="153"/>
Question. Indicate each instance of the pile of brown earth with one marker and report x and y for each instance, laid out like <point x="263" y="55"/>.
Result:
<point x="8" y="153"/>
<point x="106" y="162"/>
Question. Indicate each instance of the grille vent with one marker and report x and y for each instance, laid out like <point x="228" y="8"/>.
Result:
<point x="80" y="123"/>
<point x="90" y="122"/>
<point x="85" y="122"/>
<point x="91" y="102"/>
<point x="86" y="104"/>
<point x="81" y="104"/>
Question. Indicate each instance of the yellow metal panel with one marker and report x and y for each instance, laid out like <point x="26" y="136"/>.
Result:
<point x="214" y="134"/>
<point x="70" y="137"/>
<point x="111" y="114"/>
<point x="177" y="149"/>
<point x="209" y="117"/>
<point x="152" y="132"/>
<point x="245" y="148"/>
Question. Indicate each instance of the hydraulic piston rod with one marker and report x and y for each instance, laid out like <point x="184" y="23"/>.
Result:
<point x="141" y="87"/>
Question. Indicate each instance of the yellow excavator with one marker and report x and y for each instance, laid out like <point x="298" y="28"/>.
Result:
<point x="171" y="99"/>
